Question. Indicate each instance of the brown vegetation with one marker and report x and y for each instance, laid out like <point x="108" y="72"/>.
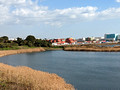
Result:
<point x="24" y="78"/>
<point x="10" y="52"/>
<point x="92" y="48"/>
<point x="50" y="48"/>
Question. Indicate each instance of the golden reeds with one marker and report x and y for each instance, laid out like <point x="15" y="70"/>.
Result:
<point x="94" y="49"/>
<point x="10" y="52"/>
<point x="24" y="78"/>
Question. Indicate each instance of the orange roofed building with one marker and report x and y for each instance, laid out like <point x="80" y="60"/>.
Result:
<point x="70" y="40"/>
<point x="67" y="41"/>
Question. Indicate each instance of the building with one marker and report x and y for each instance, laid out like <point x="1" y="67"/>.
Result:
<point x="89" y="39"/>
<point x="70" y="41"/>
<point x="54" y="44"/>
<point x="81" y="40"/>
<point x="110" y="37"/>
<point x="98" y="38"/>
<point x="58" y="42"/>
<point x="118" y="38"/>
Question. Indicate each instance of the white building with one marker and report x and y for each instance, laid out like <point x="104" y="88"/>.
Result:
<point x="54" y="44"/>
<point x="98" y="38"/>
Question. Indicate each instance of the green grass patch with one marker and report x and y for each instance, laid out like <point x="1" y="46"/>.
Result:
<point x="10" y="48"/>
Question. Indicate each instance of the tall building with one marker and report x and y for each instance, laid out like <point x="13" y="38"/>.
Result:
<point x="111" y="37"/>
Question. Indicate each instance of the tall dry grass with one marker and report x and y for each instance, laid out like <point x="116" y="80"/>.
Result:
<point x="93" y="49"/>
<point x="24" y="78"/>
<point x="10" y="52"/>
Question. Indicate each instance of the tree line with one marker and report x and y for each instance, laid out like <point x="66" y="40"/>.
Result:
<point x="30" y="41"/>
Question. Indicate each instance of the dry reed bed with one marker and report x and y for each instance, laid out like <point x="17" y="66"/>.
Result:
<point x="10" y="52"/>
<point x="24" y="78"/>
<point x="105" y="49"/>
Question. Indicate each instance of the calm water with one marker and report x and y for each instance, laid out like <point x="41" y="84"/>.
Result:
<point x="84" y="70"/>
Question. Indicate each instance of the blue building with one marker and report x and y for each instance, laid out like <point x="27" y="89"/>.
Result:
<point x="111" y="37"/>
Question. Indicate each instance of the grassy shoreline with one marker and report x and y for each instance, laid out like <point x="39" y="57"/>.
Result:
<point x="24" y="78"/>
<point x="51" y="48"/>
<point x="25" y="49"/>
<point x="92" y="48"/>
<point x="18" y="51"/>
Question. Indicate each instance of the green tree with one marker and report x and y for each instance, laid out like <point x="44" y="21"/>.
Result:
<point x="1" y="40"/>
<point x="31" y="39"/>
<point x="42" y="43"/>
<point x="38" y="43"/>
<point x="5" y="39"/>
<point x="20" y="41"/>
<point x="30" y="44"/>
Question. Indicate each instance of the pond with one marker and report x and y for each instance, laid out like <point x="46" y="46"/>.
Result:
<point x="84" y="70"/>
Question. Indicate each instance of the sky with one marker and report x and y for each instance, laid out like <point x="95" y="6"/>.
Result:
<point x="59" y="18"/>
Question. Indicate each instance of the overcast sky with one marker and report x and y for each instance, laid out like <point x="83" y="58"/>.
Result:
<point x="59" y="18"/>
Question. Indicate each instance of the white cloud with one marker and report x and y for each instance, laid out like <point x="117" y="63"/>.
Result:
<point x="73" y="16"/>
<point x="12" y="2"/>
<point x="118" y="1"/>
<point x="4" y="14"/>
<point x="110" y="13"/>
<point x="28" y="12"/>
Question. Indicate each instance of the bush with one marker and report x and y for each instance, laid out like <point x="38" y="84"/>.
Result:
<point x="42" y="43"/>
<point x="13" y="44"/>
<point x="2" y="46"/>
<point x="30" y="44"/>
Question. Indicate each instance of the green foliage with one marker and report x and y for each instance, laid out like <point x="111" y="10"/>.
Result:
<point x="57" y="46"/>
<point x="42" y="43"/>
<point x="5" y="38"/>
<point x="2" y="46"/>
<point x="13" y="44"/>
<point x="20" y="41"/>
<point x="9" y="41"/>
<point x="2" y="84"/>
<point x="38" y="43"/>
<point x="8" y="46"/>
<point x="30" y="38"/>
<point x="1" y="40"/>
<point x="24" y="42"/>
<point x="30" y="41"/>
<point x="30" y="44"/>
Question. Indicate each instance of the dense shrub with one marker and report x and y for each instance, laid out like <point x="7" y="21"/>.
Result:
<point x="30" y="44"/>
<point x="30" y="41"/>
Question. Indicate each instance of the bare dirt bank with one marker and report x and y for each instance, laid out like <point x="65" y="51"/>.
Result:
<point x="24" y="78"/>
<point x="10" y="52"/>
<point x="92" y="49"/>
